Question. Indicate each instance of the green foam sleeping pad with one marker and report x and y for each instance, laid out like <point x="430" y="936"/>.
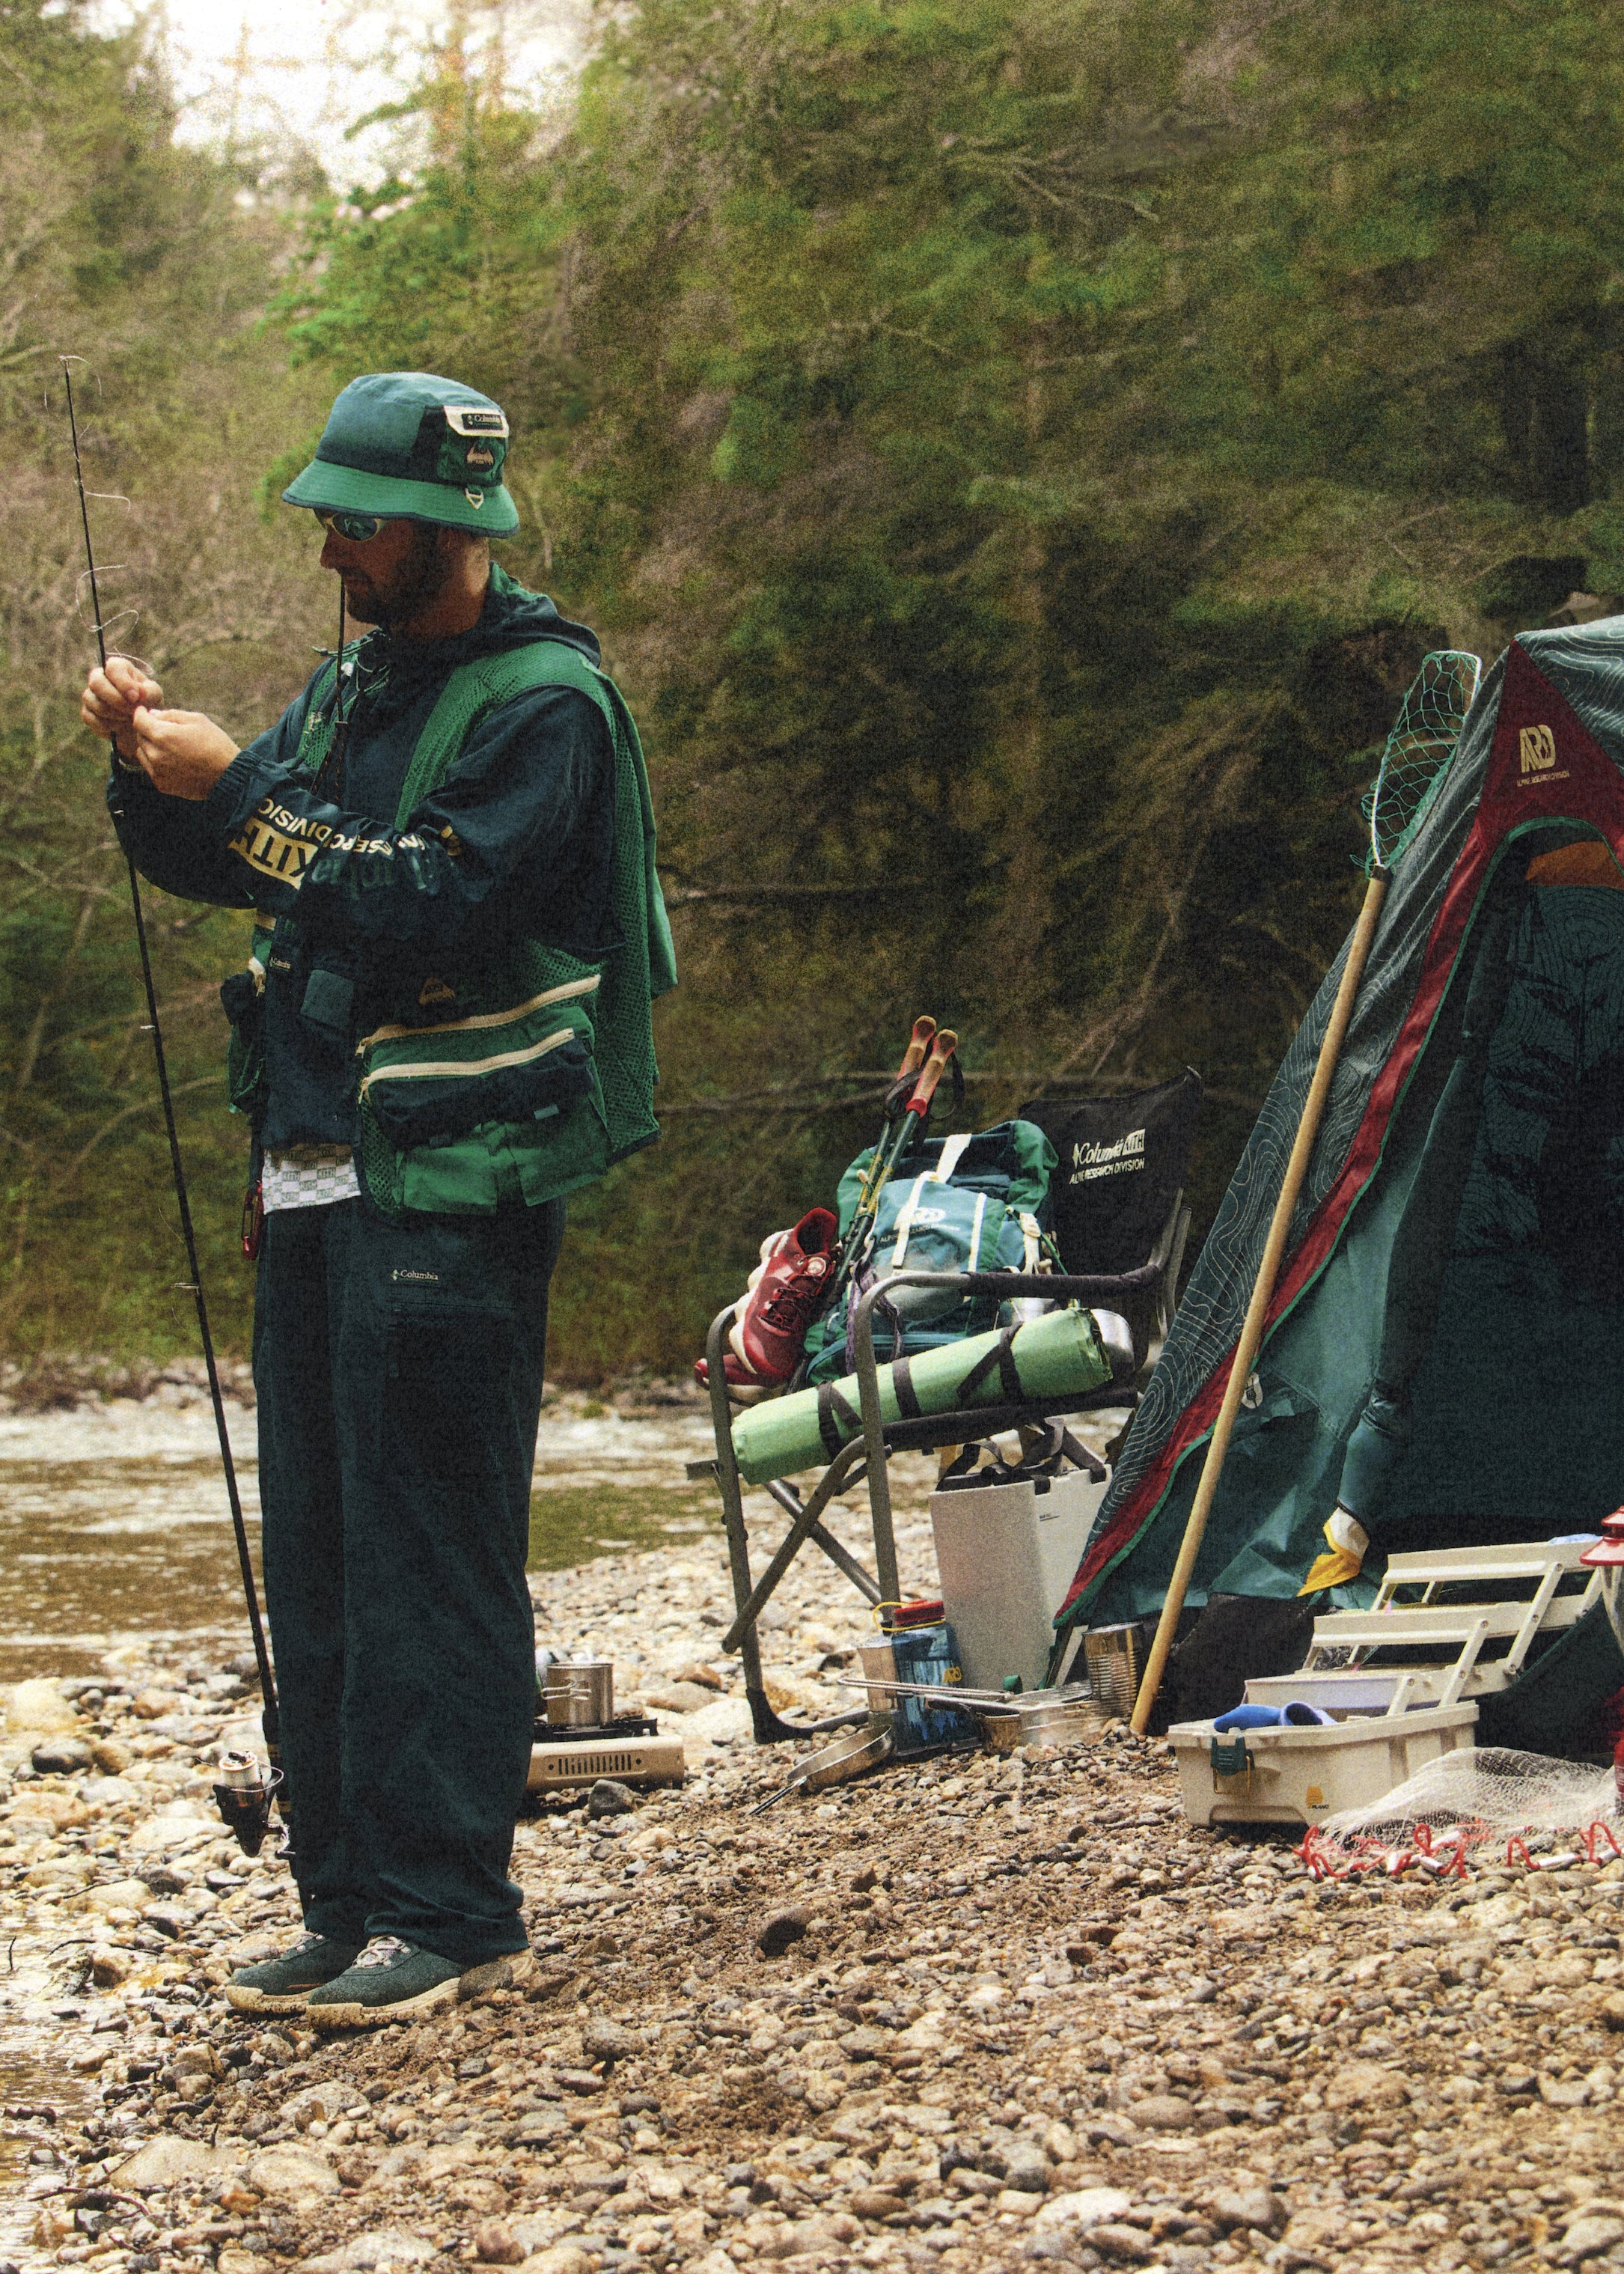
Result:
<point x="1056" y="1355"/>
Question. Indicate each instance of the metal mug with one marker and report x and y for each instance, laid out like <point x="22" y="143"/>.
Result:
<point x="581" y="1693"/>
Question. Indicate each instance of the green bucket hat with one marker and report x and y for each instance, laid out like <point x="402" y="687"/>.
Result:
<point x="407" y="446"/>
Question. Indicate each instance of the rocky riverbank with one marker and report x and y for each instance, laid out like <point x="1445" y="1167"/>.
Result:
<point x="971" y="2013"/>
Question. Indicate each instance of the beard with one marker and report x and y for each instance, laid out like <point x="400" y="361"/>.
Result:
<point x="414" y="584"/>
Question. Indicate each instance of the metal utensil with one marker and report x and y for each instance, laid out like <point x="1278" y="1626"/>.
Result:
<point x="834" y="1764"/>
<point x="953" y="1695"/>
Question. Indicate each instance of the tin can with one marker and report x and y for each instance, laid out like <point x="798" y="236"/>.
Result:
<point x="1113" y="1656"/>
<point x="878" y="1660"/>
<point x="927" y="1654"/>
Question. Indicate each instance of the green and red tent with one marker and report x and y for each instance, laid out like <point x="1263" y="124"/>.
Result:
<point x="1452" y="1303"/>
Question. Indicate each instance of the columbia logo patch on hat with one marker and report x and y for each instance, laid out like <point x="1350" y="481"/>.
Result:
<point x="409" y="444"/>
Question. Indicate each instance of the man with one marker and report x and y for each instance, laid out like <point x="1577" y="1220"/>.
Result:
<point x="445" y="1026"/>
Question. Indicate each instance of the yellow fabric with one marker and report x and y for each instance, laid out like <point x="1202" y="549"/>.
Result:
<point x="1333" y="1569"/>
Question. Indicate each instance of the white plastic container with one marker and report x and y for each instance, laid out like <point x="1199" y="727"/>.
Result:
<point x="1008" y="1555"/>
<point x="1302" y="1776"/>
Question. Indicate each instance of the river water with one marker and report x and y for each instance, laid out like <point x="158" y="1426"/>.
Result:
<point x="115" y="1529"/>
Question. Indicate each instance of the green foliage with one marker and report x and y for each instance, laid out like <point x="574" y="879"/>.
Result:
<point x="1016" y="454"/>
<point x="138" y="257"/>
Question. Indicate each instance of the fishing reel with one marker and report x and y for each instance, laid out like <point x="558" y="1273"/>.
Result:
<point x="244" y="1796"/>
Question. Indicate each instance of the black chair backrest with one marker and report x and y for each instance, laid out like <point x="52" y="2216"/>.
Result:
<point x="1121" y="1159"/>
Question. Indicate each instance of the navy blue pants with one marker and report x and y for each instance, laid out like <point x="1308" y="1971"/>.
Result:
<point x="399" y="1373"/>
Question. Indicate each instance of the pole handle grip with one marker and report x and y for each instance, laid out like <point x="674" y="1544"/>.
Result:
<point x="919" y="1042"/>
<point x="936" y="1065"/>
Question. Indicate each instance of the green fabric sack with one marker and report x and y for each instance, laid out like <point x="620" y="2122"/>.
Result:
<point x="1057" y="1355"/>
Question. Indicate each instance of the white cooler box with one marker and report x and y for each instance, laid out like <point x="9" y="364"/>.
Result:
<point x="1008" y="1555"/>
<point x="1288" y="1775"/>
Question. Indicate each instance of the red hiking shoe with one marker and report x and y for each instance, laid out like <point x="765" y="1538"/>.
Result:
<point x="784" y="1293"/>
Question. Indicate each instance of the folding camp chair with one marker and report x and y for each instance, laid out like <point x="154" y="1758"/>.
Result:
<point x="1154" y="1128"/>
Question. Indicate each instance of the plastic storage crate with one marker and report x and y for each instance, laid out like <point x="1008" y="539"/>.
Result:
<point x="1288" y="1775"/>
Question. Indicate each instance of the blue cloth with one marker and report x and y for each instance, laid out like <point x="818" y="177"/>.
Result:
<point x="1295" y="1715"/>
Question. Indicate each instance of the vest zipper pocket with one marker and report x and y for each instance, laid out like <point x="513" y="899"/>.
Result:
<point x="431" y="1085"/>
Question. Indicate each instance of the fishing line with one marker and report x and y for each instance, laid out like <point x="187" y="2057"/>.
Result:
<point x="193" y="1285"/>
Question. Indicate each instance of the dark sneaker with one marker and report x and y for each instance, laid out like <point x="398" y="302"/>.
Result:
<point x="281" y="1985"/>
<point x="394" y="1981"/>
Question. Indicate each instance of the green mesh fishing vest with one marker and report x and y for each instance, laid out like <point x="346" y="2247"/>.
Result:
<point x="549" y="1078"/>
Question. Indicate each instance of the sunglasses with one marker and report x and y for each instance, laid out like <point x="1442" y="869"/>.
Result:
<point x="358" y="528"/>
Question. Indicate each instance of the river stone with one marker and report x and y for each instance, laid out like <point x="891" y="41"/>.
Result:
<point x="386" y="2246"/>
<point x="39" y="1705"/>
<point x="608" y="2042"/>
<point x="1085" y="2207"/>
<point x="111" y="1896"/>
<point x="101" y="1792"/>
<point x="1163" y="2111"/>
<point x="1245" y="2207"/>
<point x="680" y="1697"/>
<point x="318" y="2102"/>
<point x="110" y="1756"/>
<point x="1587" y="2237"/>
<point x="292" y="2171"/>
<point x="168" y="2162"/>
<point x="63" y="1755"/>
<point x="727" y="1719"/>
<point x="1027" y="2171"/>
<point x="1130" y="2242"/>
<point x="1365" y="2084"/>
<point x="776" y="1933"/>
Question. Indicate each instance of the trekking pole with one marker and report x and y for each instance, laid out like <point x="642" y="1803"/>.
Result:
<point x="896" y="1103"/>
<point x="860" y="1232"/>
<point x="241" y="1811"/>
<point x="1416" y="755"/>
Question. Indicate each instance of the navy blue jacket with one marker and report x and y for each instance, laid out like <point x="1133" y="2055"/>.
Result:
<point x="517" y="844"/>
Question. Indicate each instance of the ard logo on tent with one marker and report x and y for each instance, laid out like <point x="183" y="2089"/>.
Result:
<point x="1538" y="748"/>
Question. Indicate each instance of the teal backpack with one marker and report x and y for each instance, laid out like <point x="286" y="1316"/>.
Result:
<point x="966" y="1203"/>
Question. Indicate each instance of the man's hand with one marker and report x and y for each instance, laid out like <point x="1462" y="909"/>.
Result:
<point x="111" y="698"/>
<point x="182" y="753"/>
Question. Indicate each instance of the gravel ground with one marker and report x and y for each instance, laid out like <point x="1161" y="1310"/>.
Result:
<point x="972" y="2012"/>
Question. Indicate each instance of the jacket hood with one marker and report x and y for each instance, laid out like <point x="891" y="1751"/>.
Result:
<point x="512" y="616"/>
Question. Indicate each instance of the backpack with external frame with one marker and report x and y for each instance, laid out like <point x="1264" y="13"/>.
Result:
<point x="964" y="1203"/>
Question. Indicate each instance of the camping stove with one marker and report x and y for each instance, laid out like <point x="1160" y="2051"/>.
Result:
<point x="1607" y="1557"/>
<point x="629" y="1749"/>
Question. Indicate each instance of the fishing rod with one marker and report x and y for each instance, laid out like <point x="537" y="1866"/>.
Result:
<point x="246" y="1805"/>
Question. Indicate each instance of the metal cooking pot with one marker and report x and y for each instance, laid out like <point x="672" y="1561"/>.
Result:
<point x="579" y="1693"/>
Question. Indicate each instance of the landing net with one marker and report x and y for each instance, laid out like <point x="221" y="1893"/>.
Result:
<point x="1419" y="748"/>
<point x="1480" y="1808"/>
